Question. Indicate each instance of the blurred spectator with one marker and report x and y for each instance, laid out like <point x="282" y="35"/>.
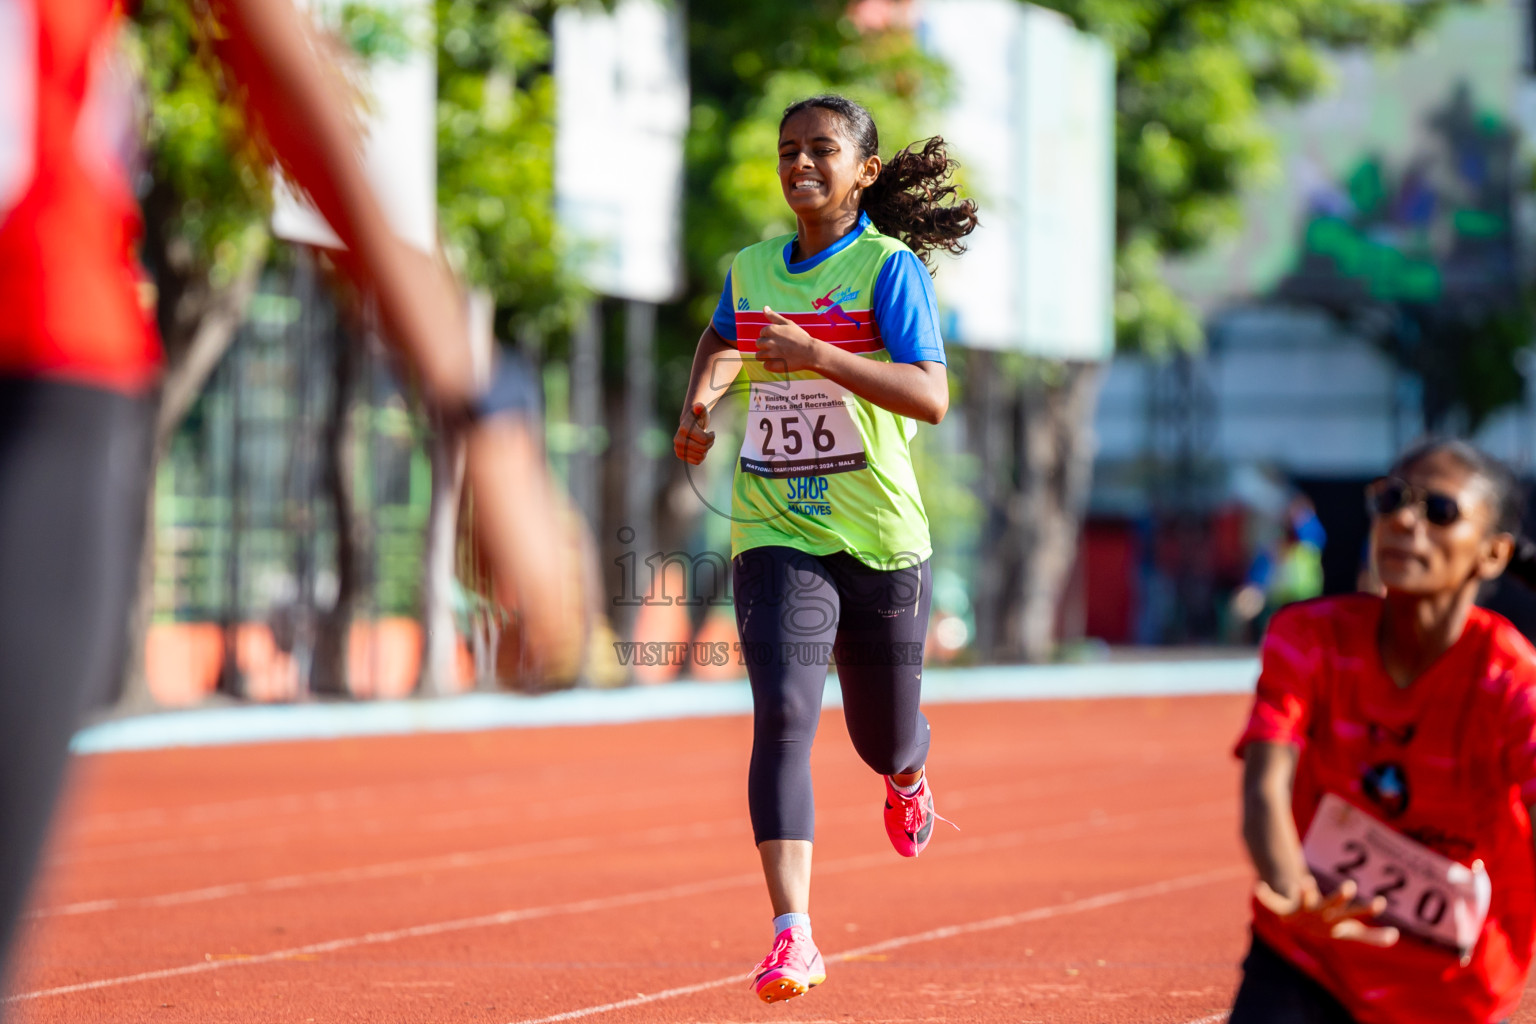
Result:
<point x="1287" y="571"/>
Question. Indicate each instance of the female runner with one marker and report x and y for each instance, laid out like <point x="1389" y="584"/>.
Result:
<point x="837" y="331"/>
<point x="1397" y="735"/>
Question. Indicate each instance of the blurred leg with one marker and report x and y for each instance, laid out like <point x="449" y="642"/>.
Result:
<point x="72" y="473"/>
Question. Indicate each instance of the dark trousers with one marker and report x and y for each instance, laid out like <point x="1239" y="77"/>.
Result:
<point x="793" y="611"/>
<point x="1275" y="991"/>
<point x="73" y="465"/>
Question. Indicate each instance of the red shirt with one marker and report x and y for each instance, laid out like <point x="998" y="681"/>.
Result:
<point x="69" y="302"/>
<point x="1459" y="748"/>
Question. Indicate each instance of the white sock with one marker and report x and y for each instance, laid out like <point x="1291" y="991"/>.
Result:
<point x="791" y="920"/>
<point x="908" y="790"/>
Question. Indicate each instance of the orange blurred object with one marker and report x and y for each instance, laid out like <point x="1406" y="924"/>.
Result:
<point x="714" y="650"/>
<point x="663" y="620"/>
<point x="182" y="661"/>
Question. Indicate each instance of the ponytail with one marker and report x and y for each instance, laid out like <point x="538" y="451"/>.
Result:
<point x="908" y="201"/>
<point x="911" y="200"/>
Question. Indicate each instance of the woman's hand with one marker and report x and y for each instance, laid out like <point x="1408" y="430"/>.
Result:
<point x="785" y="346"/>
<point x="693" y="438"/>
<point x="1338" y="916"/>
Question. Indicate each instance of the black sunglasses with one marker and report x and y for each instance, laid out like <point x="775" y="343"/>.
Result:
<point x="1389" y="494"/>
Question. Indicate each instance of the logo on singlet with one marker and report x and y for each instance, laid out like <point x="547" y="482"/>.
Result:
<point x="830" y="306"/>
<point x="1387" y="786"/>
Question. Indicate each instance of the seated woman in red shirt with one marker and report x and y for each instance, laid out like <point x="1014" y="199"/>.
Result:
<point x="1388" y="766"/>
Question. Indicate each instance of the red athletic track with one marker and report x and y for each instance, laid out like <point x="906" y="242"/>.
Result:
<point x="550" y="874"/>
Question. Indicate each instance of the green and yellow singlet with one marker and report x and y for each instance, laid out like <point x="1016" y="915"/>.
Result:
<point x="822" y="470"/>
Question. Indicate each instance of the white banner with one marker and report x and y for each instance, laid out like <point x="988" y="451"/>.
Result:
<point x="622" y="84"/>
<point x="400" y="152"/>
<point x="1032" y="123"/>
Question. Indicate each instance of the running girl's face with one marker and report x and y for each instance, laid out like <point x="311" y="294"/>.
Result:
<point x="1414" y="556"/>
<point x="820" y="169"/>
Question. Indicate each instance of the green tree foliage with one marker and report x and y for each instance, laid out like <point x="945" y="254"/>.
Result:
<point x="1192" y="79"/>
<point x="210" y="192"/>
<point x="495" y="152"/>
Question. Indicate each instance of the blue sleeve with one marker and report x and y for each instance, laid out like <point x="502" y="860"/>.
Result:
<point x="907" y="312"/>
<point x="1309" y="530"/>
<point x="724" y="320"/>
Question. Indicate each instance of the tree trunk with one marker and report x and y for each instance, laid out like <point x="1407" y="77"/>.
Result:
<point x="1056" y="449"/>
<point x="195" y="336"/>
<point x="1036" y="446"/>
<point x="440" y="636"/>
<point x="330" y="674"/>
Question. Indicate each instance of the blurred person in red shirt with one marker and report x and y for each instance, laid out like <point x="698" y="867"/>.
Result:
<point x="1389" y="765"/>
<point x="79" y="361"/>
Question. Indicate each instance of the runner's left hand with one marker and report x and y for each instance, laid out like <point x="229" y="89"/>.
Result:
<point x="1336" y="916"/>
<point x="785" y="346"/>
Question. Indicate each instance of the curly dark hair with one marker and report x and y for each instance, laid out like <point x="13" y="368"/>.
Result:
<point x="911" y="198"/>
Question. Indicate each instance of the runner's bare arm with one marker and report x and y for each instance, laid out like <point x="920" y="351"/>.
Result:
<point x="1269" y="830"/>
<point x="302" y="112"/>
<point x="716" y="364"/>
<point x="1285" y="884"/>
<point x="536" y="546"/>
<point x="919" y="390"/>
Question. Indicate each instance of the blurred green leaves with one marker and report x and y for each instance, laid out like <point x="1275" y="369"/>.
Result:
<point x="1193" y="77"/>
<point x="496" y="152"/>
<point x="211" y="190"/>
<point x="215" y="191"/>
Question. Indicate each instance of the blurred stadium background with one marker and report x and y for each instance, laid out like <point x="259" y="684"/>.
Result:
<point x="1231" y="261"/>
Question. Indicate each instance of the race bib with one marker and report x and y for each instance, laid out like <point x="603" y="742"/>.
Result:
<point x="800" y="428"/>
<point x="1428" y="895"/>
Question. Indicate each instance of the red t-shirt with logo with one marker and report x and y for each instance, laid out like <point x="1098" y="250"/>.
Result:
<point x="69" y="304"/>
<point x="1449" y="760"/>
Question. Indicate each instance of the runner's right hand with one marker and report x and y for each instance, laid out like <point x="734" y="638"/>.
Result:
<point x="694" y="438"/>
<point x="1337" y="916"/>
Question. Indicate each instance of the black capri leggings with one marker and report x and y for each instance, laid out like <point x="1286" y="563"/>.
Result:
<point x="794" y="611"/>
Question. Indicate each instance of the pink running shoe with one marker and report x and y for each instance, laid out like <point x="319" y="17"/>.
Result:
<point x="792" y="968"/>
<point x="909" y="819"/>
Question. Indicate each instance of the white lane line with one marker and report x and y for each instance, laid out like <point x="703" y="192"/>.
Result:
<point x="450" y="789"/>
<point x="1215" y="1018"/>
<point x="462" y="860"/>
<point x="395" y="869"/>
<point x="503" y="812"/>
<point x="1108" y="899"/>
<point x="418" y="931"/>
<point x="1068" y="830"/>
<point x="286" y="804"/>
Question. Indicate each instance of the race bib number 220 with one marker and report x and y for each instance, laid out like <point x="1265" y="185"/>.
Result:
<point x="1428" y="895"/>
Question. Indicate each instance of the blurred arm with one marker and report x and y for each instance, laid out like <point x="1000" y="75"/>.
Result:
<point x="307" y="120"/>
<point x="1269" y="830"/>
